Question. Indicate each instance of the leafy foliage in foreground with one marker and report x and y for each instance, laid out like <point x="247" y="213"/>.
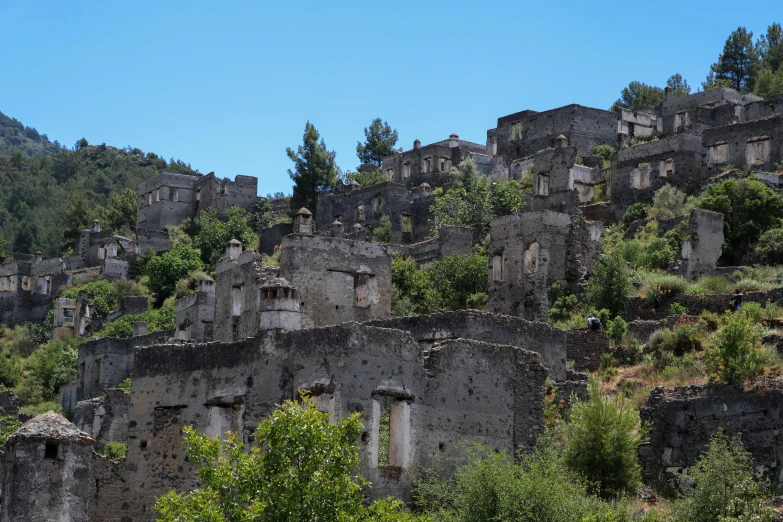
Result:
<point x="301" y="467"/>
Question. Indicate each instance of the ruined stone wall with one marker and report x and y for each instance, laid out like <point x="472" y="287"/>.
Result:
<point x="28" y="288"/>
<point x="164" y="200"/>
<point x="584" y="127"/>
<point x="157" y="240"/>
<point x="222" y="194"/>
<point x="528" y="252"/>
<point x="368" y="205"/>
<point x="585" y="347"/>
<point x="105" y="418"/>
<point x="476" y="325"/>
<point x="683" y="421"/>
<point x="237" y="297"/>
<point x="451" y="240"/>
<point x="337" y="280"/>
<point x="756" y="143"/>
<point x="195" y="316"/>
<point x="430" y="163"/>
<point x="108" y="491"/>
<point x="271" y="237"/>
<point x="640" y="308"/>
<point x="705" y="245"/>
<point x="459" y="390"/>
<point x="644" y="168"/>
<point x="106" y="362"/>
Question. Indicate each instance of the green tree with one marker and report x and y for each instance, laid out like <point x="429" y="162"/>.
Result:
<point x="678" y="85"/>
<point x="734" y="356"/>
<point x="609" y="284"/>
<point x="365" y="179"/>
<point x="314" y="171"/>
<point x="769" y="83"/>
<point x="80" y="213"/>
<point x="122" y="210"/>
<point x="165" y="270"/>
<point x="723" y="487"/>
<point x="770" y="47"/>
<point x="457" y="277"/>
<point x="475" y="201"/>
<point x="749" y="209"/>
<point x="737" y="65"/>
<point x="669" y="202"/>
<point x="379" y="142"/>
<point x="4" y="253"/>
<point x="301" y="467"/>
<point x="214" y="233"/>
<point x="412" y="289"/>
<point x="601" y="438"/>
<point x="770" y="246"/>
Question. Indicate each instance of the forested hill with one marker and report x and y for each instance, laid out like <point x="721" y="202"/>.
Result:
<point x="15" y="137"/>
<point x="47" y="198"/>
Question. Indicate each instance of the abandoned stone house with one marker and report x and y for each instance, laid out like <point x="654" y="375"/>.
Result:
<point x="431" y="163"/>
<point x="28" y="286"/>
<point x="408" y="210"/>
<point x="529" y="252"/>
<point x="169" y="199"/>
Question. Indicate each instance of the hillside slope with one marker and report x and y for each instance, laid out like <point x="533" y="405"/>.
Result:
<point x="16" y="137"/>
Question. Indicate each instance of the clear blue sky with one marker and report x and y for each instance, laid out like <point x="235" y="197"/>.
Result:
<point x="227" y="86"/>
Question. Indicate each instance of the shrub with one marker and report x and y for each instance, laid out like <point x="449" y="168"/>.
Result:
<point x="661" y="288"/>
<point x="753" y="312"/>
<point x="8" y="425"/>
<point x="609" y="285"/>
<point x="488" y="485"/>
<point x="669" y="202"/>
<point x="214" y="233"/>
<point x="734" y="355"/>
<point x="711" y="319"/>
<point x="103" y="295"/>
<point x="113" y="450"/>
<point x="616" y="330"/>
<point x="412" y="289"/>
<point x="635" y="212"/>
<point x="677" y="309"/>
<point x="601" y="439"/>
<point x="712" y="285"/>
<point x="457" y="277"/>
<point x="125" y="385"/>
<point x="41" y="407"/>
<point x="165" y="270"/>
<point x="605" y="151"/>
<point x="770" y="246"/>
<point x="679" y="340"/>
<point x="724" y="487"/>
<point x="157" y="320"/>
<point x="382" y="233"/>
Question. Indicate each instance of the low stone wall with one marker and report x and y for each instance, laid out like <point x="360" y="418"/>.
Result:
<point x="684" y="419"/>
<point x="108" y="491"/>
<point x="638" y="308"/>
<point x="270" y="237"/>
<point x="585" y="347"/>
<point x="642" y="329"/>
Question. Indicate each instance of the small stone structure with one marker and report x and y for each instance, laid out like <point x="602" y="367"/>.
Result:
<point x="105" y="418"/>
<point x="47" y="471"/>
<point x="757" y="144"/>
<point x="450" y="240"/>
<point x="705" y="245"/>
<point x="28" y="285"/>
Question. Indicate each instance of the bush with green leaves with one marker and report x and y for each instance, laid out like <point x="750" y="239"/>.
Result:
<point x="770" y="246"/>
<point x="749" y="209"/>
<point x="635" y="212"/>
<point x="412" y="291"/>
<point x="166" y="269"/>
<point x="382" y="233"/>
<point x="301" y="467"/>
<point x="609" y="285"/>
<point x="670" y="202"/>
<point x="723" y="487"/>
<point x="106" y="296"/>
<point x="157" y="319"/>
<point x="489" y="485"/>
<point x="605" y="151"/>
<point x="601" y="438"/>
<point x="113" y="450"/>
<point x="734" y="355"/>
<point x="677" y="309"/>
<point x="678" y="341"/>
<point x="214" y="233"/>
<point x="616" y="330"/>
<point x="8" y="425"/>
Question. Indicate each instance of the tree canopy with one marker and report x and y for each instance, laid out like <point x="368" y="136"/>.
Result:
<point x="737" y="64"/>
<point x="315" y="171"/>
<point x="639" y="94"/>
<point x="379" y="142"/>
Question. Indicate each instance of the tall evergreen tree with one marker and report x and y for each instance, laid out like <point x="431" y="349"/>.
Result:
<point x="314" y="171"/>
<point x="379" y="142"/>
<point x="737" y="65"/>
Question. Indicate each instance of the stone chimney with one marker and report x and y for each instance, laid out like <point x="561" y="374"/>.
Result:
<point x="233" y="249"/>
<point x="416" y="144"/>
<point x="336" y="228"/>
<point x="454" y="140"/>
<point x="206" y="285"/>
<point x="279" y="306"/>
<point x="303" y="222"/>
<point x="561" y="141"/>
<point x="96" y="225"/>
<point x="354" y="186"/>
<point x="139" y="328"/>
<point x="667" y="92"/>
<point x="37" y="256"/>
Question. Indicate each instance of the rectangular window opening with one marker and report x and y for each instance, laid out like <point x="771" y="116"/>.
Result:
<point x="236" y="295"/>
<point x="51" y="450"/>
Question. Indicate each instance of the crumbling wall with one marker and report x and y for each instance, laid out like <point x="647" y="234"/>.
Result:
<point x="585" y="347"/>
<point x="222" y="194"/>
<point x="683" y="420"/>
<point x="106" y="362"/>
<point x="108" y="491"/>
<point x="455" y="391"/>
<point x="195" y="316"/>
<point x="237" y="297"/>
<point x="337" y="280"/>
<point x="271" y="237"/>
<point x="640" y="308"/>
<point x="105" y="418"/>
<point x="430" y="163"/>
<point x="758" y="144"/>
<point x="450" y="240"/>
<point x="167" y="199"/>
<point x="705" y="245"/>
<point x="476" y="325"/>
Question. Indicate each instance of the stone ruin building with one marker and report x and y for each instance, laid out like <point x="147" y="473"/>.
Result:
<point x="321" y="322"/>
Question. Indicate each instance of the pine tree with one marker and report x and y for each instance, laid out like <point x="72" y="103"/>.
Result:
<point x="314" y="171"/>
<point x="379" y="142"/>
<point x="737" y="65"/>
